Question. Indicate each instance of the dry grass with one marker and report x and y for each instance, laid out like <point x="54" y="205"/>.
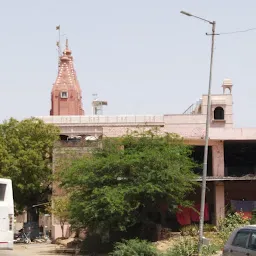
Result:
<point x="164" y="245"/>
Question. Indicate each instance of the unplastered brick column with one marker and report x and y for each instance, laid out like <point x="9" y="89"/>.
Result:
<point x="219" y="201"/>
<point x="218" y="159"/>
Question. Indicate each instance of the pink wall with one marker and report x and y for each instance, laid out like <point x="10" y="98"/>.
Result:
<point x="218" y="159"/>
<point x="56" y="231"/>
<point x="219" y="201"/>
<point x="190" y="126"/>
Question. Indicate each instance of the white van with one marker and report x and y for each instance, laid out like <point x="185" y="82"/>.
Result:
<point x="6" y="214"/>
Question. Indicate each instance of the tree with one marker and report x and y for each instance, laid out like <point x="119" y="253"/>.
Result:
<point x="60" y="210"/>
<point x="25" y="157"/>
<point x="111" y="188"/>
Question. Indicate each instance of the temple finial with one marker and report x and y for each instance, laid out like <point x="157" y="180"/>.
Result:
<point x="66" y="44"/>
<point x="67" y="50"/>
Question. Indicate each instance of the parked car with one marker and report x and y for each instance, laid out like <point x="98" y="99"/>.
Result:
<point x="241" y="242"/>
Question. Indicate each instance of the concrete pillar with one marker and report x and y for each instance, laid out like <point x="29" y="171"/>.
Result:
<point x="219" y="192"/>
<point x="218" y="159"/>
<point x="218" y="170"/>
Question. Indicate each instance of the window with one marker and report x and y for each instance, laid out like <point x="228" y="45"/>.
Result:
<point x="219" y="113"/>
<point x="64" y="95"/>
<point x="252" y="241"/>
<point x="241" y="238"/>
<point x="2" y="191"/>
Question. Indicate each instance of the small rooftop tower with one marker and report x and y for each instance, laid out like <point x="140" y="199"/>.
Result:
<point x="97" y="105"/>
<point x="227" y="84"/>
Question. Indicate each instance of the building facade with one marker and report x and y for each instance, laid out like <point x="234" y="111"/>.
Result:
<point x="231" y="174"/>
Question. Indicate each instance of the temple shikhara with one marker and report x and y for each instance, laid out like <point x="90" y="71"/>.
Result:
<point x="66" y="96"/>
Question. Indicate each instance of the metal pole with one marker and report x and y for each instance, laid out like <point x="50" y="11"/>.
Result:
<point x="208" y="115"/>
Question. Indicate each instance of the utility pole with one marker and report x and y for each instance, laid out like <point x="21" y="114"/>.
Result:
<point x="208" y="115"/>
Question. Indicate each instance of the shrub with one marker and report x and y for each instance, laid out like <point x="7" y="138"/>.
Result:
<point x="210" y="249"/>
<point x="253" y="220"/>
<point x="190" y="230"/>
<point x="134" y="247"/>
<point x="229" y="223"/>
<point x="209" y="228"/>
<point x="188" y="246"/>
<point x="193" y="230"/>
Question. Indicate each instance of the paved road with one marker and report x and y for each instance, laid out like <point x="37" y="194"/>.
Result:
<point x="31" y="250"/>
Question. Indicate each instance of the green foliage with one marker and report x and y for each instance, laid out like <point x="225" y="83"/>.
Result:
<point x="253" y="220"/>
<point x="112" y="187"/>
<point x="193" y="230"/>
<point x="228" y="224"/>
<point x="25" y="157"/>
<point x="185" y="246"/>
<point x="60" y="210"/>
<point x="134" y="247"/>
<point x="211" y="249"/>
<point x="188" y="246"/>
<point x="190" y="230"/>
<point x="209" y="228"/>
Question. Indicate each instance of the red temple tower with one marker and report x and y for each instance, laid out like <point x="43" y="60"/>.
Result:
<point x="66" y="96"/>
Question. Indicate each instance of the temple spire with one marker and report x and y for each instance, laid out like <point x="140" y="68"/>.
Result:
<point x="66" y="96"/>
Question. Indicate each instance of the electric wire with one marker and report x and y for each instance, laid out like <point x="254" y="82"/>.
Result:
<point x="237" y="31"/>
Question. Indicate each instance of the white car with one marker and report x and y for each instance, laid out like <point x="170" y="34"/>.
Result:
<point x="242" y="242"/>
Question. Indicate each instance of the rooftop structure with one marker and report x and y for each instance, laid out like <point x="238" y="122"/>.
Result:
<point x="66" y="95"/>
<point x="231" y="174"/>
<point x="97" y="105"/>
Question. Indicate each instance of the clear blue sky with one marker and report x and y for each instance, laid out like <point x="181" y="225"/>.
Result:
<point x="142" y="56"/>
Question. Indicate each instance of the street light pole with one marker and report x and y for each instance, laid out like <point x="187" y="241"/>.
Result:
<point x="208" y="115"/>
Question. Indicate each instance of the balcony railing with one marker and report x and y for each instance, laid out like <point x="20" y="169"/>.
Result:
<point x="126" y="119"/>
<point x="78" y="143"/>
<point x="193" y="109"/>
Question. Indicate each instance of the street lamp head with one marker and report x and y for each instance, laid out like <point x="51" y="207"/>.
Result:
<point x="186" y="13"/>
<point x="197" y="17"/>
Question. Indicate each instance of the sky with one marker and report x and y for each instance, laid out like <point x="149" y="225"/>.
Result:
<point x="142" y="56"/>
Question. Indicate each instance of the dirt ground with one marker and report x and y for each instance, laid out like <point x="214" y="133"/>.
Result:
<point x="49" y="249"/>
<point x="32" y="250"/>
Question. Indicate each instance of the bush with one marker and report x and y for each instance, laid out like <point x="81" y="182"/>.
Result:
<point x="210" y="249"/>
<point x="134" y="247"/>
<point x="188" y="246"/>
<point x="253" y="220"/>
<point x="228" y="224"/>
<point x="190" y="230"/>
<point x="193" y="230"/>
<point x="209" y="228"/>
